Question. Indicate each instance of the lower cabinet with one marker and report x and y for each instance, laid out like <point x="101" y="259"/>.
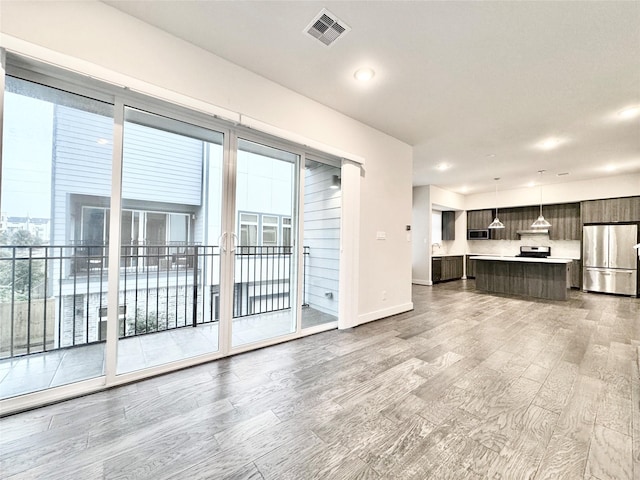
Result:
<point x="447" y="268"/>
<point x="576" y="274"/>
<point x="436" y="269"/>
<point x="471" y="267"/>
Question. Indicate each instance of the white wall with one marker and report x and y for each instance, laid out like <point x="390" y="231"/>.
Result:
<point x="96" y="33"/>
<point x="446" y="200"/>
<point x="421" y="226"/>
<point x="442" y="199"/>
<point x="425" y="200"/>
<point x="559" y="248"/>
<point x="605" y="187"/>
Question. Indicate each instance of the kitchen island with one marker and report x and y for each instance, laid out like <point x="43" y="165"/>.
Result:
<point x="533" y="277"/>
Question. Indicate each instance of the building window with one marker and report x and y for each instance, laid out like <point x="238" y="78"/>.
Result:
<point x="270" y="230"/>
<point x="248" y="229"/>
<point x="262" y="229"/>
<point x="95" y="226"/>
<point x="138" y="227"/>
<point x="286" y="231"/>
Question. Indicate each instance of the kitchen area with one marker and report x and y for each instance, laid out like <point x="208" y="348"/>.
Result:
<point x="589" y="246"/>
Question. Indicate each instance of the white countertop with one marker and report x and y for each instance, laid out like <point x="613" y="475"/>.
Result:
<point x="522" y="259"/>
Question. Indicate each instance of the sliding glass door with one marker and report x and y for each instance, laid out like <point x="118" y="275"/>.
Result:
<point x="139" y="239"/>
<point x="265" y="259"/>
<point x="56" y="152"/>
<point x="170" y="227"/>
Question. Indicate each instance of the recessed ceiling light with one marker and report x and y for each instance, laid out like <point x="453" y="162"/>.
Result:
<point x="629" y="112"/>
<point x="610" y="168"/>
<point x="550" y="143"/>
<point x="102" y="141"/>
<point x="491" y="155"/>
<point x="364" y="74"/>
<point x="531" y="184"/>
<point x="443" y="166"/>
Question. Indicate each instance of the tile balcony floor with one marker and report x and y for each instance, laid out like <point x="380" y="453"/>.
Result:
<point x="35" y="372"/>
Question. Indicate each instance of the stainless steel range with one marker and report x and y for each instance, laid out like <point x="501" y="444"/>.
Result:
<point x="534" y="252"/>
<point x="610" y="264"/>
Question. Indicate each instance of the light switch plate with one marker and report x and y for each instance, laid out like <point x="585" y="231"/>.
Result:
<point x="381" y="236"/>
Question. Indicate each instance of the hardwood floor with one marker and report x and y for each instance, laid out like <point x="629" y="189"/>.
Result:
<point x="466" y="386"/>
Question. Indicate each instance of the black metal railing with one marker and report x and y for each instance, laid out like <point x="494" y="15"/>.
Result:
<point x="54" y="297"/>
<point x="262" y="279"/>
<point x="164" y="287"/>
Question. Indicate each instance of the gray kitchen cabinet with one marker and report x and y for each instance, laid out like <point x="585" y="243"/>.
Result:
<point x="447" y="268"/>
<point x="436" y="269"/>
<point x="479" y="219"/>
<point x="565" y="221"/>
<point x="515" y="219"/>
<point x="576" y="274"/>
<point x="448" y="225"/>
<point x="611" y="210"/>
<point x="471" y="267"/>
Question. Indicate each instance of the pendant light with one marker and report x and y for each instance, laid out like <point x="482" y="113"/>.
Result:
<point x="496" y="221"/>
<point x="540" y="222"/>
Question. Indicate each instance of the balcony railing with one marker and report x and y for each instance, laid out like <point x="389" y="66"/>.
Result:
<point x="54" y="297"/>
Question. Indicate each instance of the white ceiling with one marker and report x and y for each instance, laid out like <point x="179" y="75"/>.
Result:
<point x="474" y="84"/>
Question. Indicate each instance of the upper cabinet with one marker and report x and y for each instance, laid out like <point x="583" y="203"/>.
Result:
<point x="448" y="225"/>
<point x="564" y="219"/>
<point x="515" y="219"/>
<point x="479" y="219"/>
<point x="611" y="210"/>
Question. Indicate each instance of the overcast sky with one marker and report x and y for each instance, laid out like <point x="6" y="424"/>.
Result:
<point x="26" y="157"/>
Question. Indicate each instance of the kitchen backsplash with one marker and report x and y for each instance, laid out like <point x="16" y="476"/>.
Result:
<point x="559" y="248"/>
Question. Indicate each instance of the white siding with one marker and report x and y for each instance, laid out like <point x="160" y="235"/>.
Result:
<point x="160" y="166"/>
<point x="322" y="212"/>
<point x="81" y="164"/>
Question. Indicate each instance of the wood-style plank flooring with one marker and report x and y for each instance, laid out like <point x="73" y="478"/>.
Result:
<point x="466" y="386"/>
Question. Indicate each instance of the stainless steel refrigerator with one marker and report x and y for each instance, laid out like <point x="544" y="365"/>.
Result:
<point x="609" y="262"/>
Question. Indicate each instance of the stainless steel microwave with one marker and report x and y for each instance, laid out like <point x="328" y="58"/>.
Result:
<point x="478" y="234"/>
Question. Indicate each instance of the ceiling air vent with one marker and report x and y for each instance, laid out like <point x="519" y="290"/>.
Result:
<point x="326" y="27"/>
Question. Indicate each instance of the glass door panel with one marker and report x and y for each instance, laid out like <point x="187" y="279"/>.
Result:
<point x="171" y="223"/>
<point x="56" y="191"/>
<point x="321" y="256"/>
<point x="265" y="269"/>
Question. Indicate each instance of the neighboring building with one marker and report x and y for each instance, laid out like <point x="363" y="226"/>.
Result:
<point x="38" y="227"/>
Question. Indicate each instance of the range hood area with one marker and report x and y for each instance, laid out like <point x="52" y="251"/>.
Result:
<point x="540" y="231"/>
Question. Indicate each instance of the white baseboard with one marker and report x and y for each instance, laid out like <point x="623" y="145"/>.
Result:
<point x="417" y="281"/>
<point x="387" y="312"/>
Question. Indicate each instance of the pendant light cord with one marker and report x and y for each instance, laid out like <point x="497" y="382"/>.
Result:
<point x="540" y="196"/>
